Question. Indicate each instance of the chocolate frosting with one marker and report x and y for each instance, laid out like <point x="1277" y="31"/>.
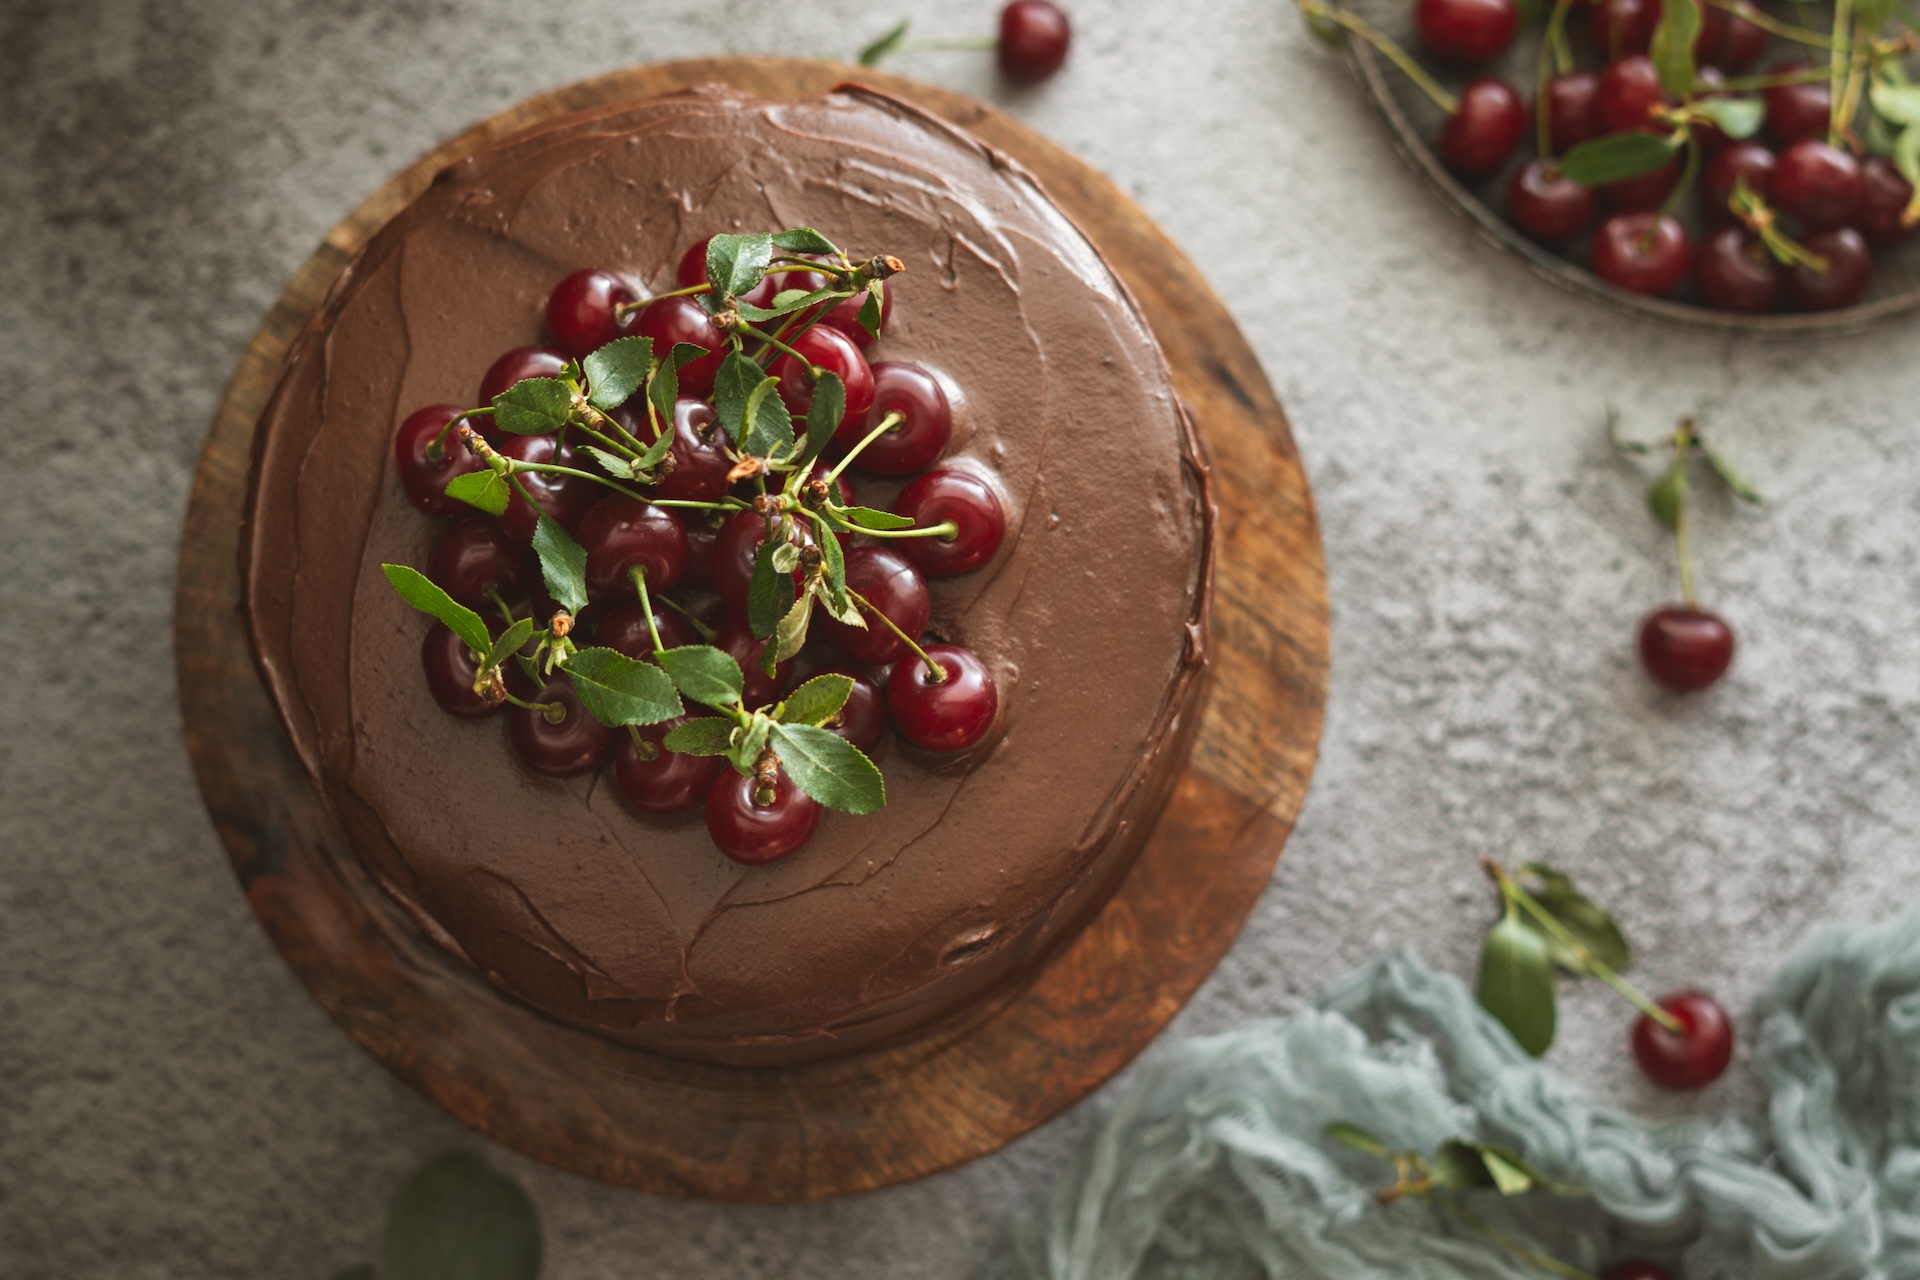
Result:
<point x="1091" y="617"/>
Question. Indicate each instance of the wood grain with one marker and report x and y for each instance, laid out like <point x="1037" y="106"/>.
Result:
<point x="788" y="1134"/>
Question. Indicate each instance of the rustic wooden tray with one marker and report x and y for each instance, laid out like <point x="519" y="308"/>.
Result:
<point x="663" y="1125"/>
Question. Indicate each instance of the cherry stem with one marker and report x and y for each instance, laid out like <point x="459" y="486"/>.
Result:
<point x="979" y="44"/>
<point x="934" y="669"/>
<point x="1549" y="49"/>
<point x="516" y="466"/>
<point x="704" y="631"/>
<point x="639" y="575"/>
<point x="499" y="602"/>
<point x="1388" y="49"/>
<point x="634" y="445"/>
<point x="551" y="712"/>
<point x="1551" y="1265"/>
<point x="812" y="372"/>
<point x="1773" y="26"/>
<point x="622" y="310"/>
<point x="946" y="530"/>
<point x="732" y="505"/>
<point x="1842" y="25"/>
<point x="1776" y="80"/>
<point x="1849" y="104"/>
<point x="893" y="419"/>
<point x="811" y="264"/>
<point x="1687" y="176"/>
<point x="437" y="447"/>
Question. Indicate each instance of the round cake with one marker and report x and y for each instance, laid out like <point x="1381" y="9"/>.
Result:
<point x="1090" y="616"/>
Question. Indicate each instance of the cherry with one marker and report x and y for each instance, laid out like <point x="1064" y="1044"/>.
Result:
<point x="1844" y="282"/>
<point x="1884" y="200"/>
<point x="692" y="267"/>
<point x="670" y="321"/>
<point x="1467" y="30"/>
<point x="862" y="719"/>
<point x="751" y="833"/>
<point x="1645" y="193"/>
<point x="475" y="553"/>
<point x="1797" y="111"/>
<point x="699" y="450"/>
<point x="1749" y="160"/>
<point x="581" y="311"/>
<point x="656" y="780"/>
<point x="620" y="535"/>
<point x="845" y="316"/>
<point x="950" y="715"/>
<point x="1643" y="252"/>
<point x="919" y="438"/>
<point x="1573" y="109"/>
<point x="964" y="498"/>
<point x="623" y="629"/>
<point x="896" y="590"/>
<point x="450" y="668"/>
<point x="1818" y="184"/>
<point x="1734" y="271"/>
<point x="1729" y="41"/>
<point x="736" y="639"/>
<point x="1637" y="1268"/>
<point x="519" y="364"/>
<point x="1624" y="26"/>
<point x="1694" y="1056"/>
<point x="1033" y="41"/>
<point x="1629" y="91"/>
<point x="428" y="460"/>
<point x="1482" y="133"/>
<point x="736" y="547"/>
<point x="1685" y="649"/>
<point x="702" y="538"/>
<point x="575" y="745"/>
<point x="1545" y="205"/>
<point x="833" y="351"/>
<point x="565" y="498"/>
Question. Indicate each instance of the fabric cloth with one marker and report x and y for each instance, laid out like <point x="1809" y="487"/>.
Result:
<point x="1213" y="1165"/>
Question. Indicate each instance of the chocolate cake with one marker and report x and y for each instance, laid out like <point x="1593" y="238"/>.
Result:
<point x="1091" y="617"/>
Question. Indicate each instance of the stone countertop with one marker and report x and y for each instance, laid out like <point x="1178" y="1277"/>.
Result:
<point x="172" y="1103"/>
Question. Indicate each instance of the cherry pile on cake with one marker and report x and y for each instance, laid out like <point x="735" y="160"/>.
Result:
<point x="816" y="635"/>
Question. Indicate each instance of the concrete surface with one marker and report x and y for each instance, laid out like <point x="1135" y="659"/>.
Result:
<point x="172" y="1104"/>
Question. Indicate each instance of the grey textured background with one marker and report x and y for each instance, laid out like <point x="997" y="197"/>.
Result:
<point x="172" y="1104"/>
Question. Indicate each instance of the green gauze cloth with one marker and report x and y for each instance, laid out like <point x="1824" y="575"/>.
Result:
<point x="1214" y="1165"/>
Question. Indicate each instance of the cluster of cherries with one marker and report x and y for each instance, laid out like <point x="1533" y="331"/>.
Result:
<point x="1813" y="210"/>
<point x="699" y="556"/>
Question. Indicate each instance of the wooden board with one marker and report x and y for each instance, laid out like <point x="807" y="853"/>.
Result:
<point x="786" y="1134"/>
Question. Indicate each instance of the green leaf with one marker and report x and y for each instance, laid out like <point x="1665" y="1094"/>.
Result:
<point x="1906" y="154"/>
<point x="1672" y="50"/>
<point x="704" y="673"/>
<point x="870" y="518"/>
<point x="1728" y="476"/>
<point x="419" y="591"/>
<point x="1322" y="28"/>
<point x="487" y="490"/>
<point x="563" y="564"/>
<point x="826" y="413"/>
<point x="1616" y="158"/>
<point x="1871" y="15"/>
<point x="664" y="390"/>
<point x="788" y="302"/>
<point x="1667" y="495"/>
<point x="737" y="263"/>
<point x="456" y="1219"/>
<point x="752" y="741"/>
<point x="1735" y="117"/>
<point x="791" y="635"/>
<point x="769" y="425"/>
<point x="806" y="239"/>
<point x="661" y="446"/>
<point x="1511" y="1175"/>
<point x="1580" y="916"/>
<point x="617" y="690"/>
<point x="706" y="736"/>
<point x="612" y="463"/>
<point x="533" y="407"/>
<point x="1516" y="982"/>
<point x="770" y="593"/>
<point x="1355" y="1138"/>
<point x="510" y="642"/>
<point x="886" y="44"/>
<point x="873" y="310"/>
<point x="732" y="384"/>
<point x="817" y="701"/>
<point x="829" y="768"/>
<point x="617" y="370"/>
<point x="1896" y="102"/>
<point x="1459" y="1166"/>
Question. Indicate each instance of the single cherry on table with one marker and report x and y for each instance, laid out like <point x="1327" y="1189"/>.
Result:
<point x="1693" y="1057"/>
<point x="1686" y="649"/>
<point x="1033" y="43"/>
<point x="753" y="833"/>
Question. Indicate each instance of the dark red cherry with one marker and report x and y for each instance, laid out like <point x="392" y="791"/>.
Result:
<point x="1883" y="204"/>
<point x="735" y="638"/>
<point x="1844" y="282"/>
<point x="565" y="498"/>
<point x="1749" y="160"/>
<point x="574" y="744"/>
<point x="1685" y="649"/>
<point x="1573" y="109"/>
<point x="1466" y="30"/>
<point x="832" y="351"/>
<point x="428" y="460"/>
<point x="862" y="719"/>
<point x="1629" y="91"/>
<point x="623" y="628"/>
<point x="581" y="311"/>
<point x="950" y="715"/>
<point x="450" y="668"/>
<point x="917" y="441"/>
<point x="1694" y="1056"/>
<point x="670" y="321"/>
<point x="1729" y="41"/>
<point x="752" y="833"/>
<point x="1818" y="184"/>
<point x="699" y="452"/>
<point x="1635" y="1269"/>
<point x="845" y="316"/>
<point x="738" y="544"/>
<point x="1733" y="271"/>
<point x="1642" y="252"/>
<point x="1624" y="26"/>
<point x="894" y="588"/>
<point x="1033" y="41"/>
<point x="475" y="553"/>
<point x="656" y="780"/>
<point x="519" y="364"/>
<point x="936" y="497"/>
<point x="702" y="540"/>
<point x="1545" y="205"/>
<point x="1796" y="111"/>
<point x="1481" y="134"/>
<point x="692" y="267"/>
<point x="621" y="535"/>
<point x="1642" y="194"/>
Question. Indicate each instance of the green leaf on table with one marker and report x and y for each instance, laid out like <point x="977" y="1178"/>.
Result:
<point x="1580" y="916"/>
<point x="1458" y="1166"/>
<point x="533" y="407"/>
<point x="1511" y="1175"/>
<point x="737" y="263"/>
<point x="817" y="701"/>
<point x="886" y="44"/>
<point x="1736" y="117"/>
<point x="420" y="591"/>
<point x="1672" y="49"/>
<point x="704" y="736"/>
<point x="511" y="641"/>
<point x="1616" y="158"/>
<point x="873" y="309"/>
<point x="1667" y="495"/>
<point x="617" y="690"/>
<point x="790" y="636"/>
<point x="1898" y="103"/>
<point x="769" y="593"/>
<point x="769" y="427"/>
<point x="871" y="518"/>
<point x="1355" y="1138"/>
<point x="806" y="239"/>
<point x="456" y="1219"/>
<point x="829" y="768"/>
<point x="617" y="370"/>
<point x="1516" y="982"/>
<point x="704" y="673"/>
<point x="825" y="414"/>
<point x="1728" y="476"/>
<point x="487" y="490"/>
<point x="563" y="563"/>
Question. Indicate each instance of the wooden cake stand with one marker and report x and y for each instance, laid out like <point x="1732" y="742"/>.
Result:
<point x="787" y="1134"/>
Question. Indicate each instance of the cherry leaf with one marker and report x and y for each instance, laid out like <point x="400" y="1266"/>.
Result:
<point x="829" y="768"/>
<point x="1728" y="476"/>
<point x="1672" y="49"/>
<point x="753" y="740"/>
<point x="817" y="701"/>
<point x="788" y="302"/>
<point x="705" y="736"/>
<point x="423" y="594"/>
<point x="1458" y="1166"/>
<point x="737" y="263"/>
<point x="617" y="690"/>
<point x="870" y="518"/>
<point x="825" y="414"/>
<point x="886" y="44"/>
<point x="1516" y="982"/>
<point x="704" y="673"/>
<point x="769" y="594"/>
<point x="617" y="370"/>
<point x="790" y="636"/>
<point x="533" y="407"/>
<point x="873" y="308"/>
<point x="1736" y="117"/>
<point x="1899" y="103"/>
<point x="1614" y="159"/>
<point x="1668" y="495"/>
<point x="1580" y="916"/>
<point x="805" y="240"/>
<point x="612" y="463"/>
<point x="732" y="384"/>
<point x="487" y="490"/>
<point x="510" y="642"/>
<point x="563" y="563"/>
<point x="457" y="1219"/>
<point x="769" y="427"/>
